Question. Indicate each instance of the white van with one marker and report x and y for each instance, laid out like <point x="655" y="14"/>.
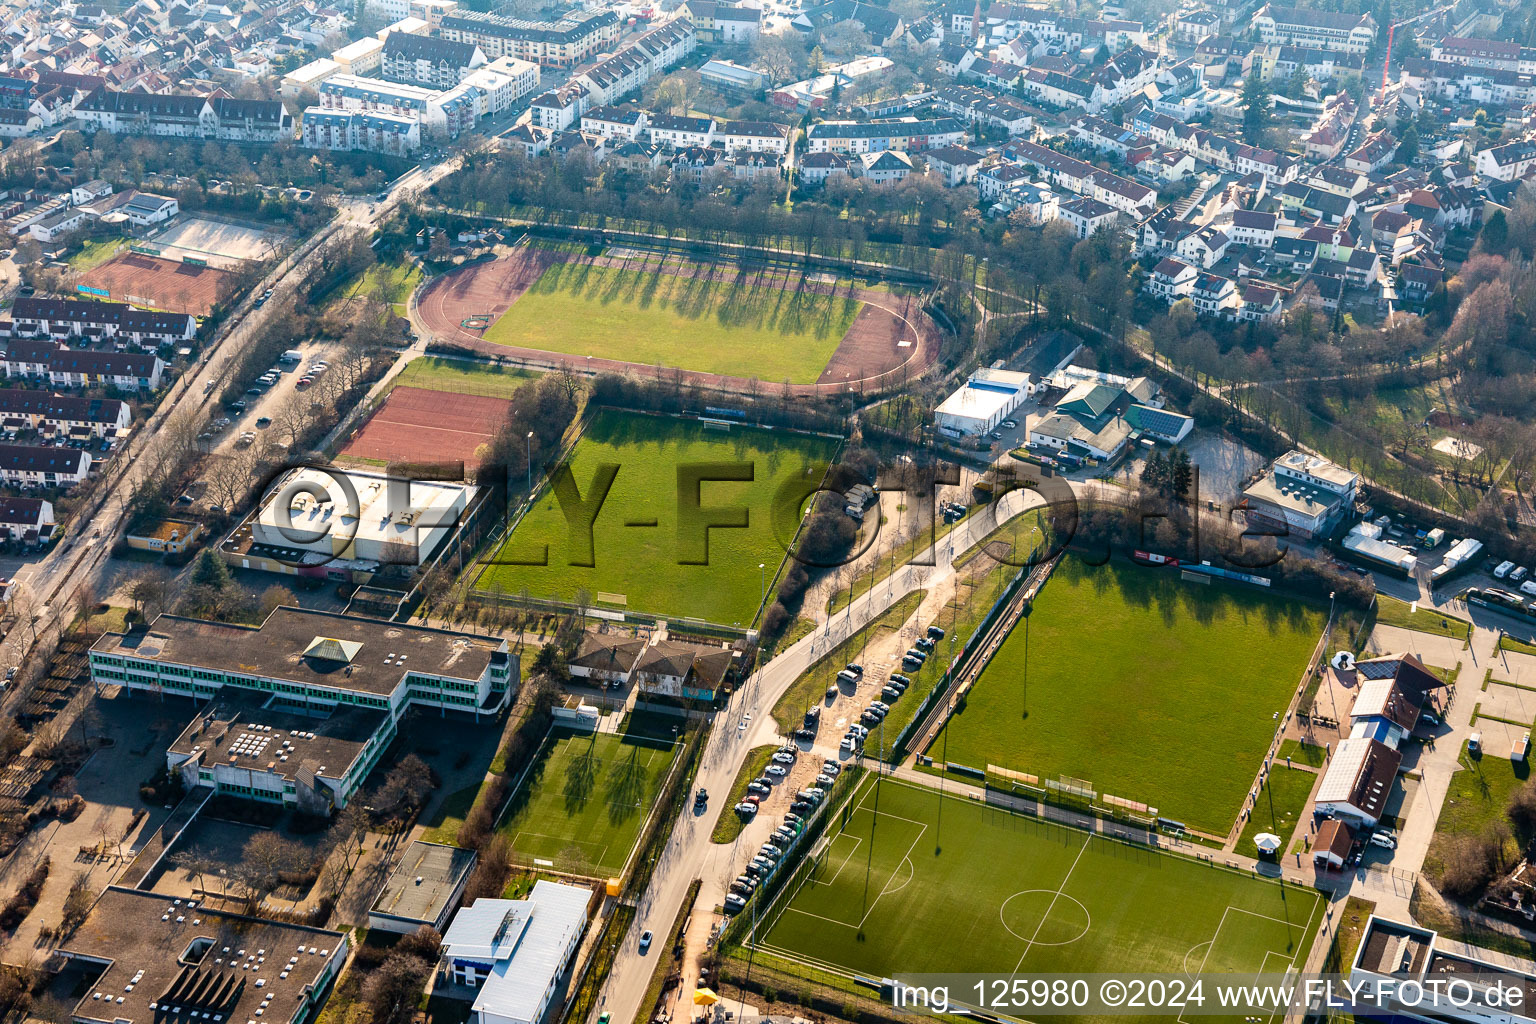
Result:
<point x="1528" y="587"/>
<point x="1503" y="570"/>
<point x="1382" y="839"/>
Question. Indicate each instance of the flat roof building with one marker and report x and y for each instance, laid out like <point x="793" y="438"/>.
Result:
<point x="166" y="959"/>
<point x="1493" y="986"/>
<point x="511" y="953"/>
<point x="982" y="402"/>
<point x="423" y="889"/>
<point x="1305" y="493"/>
<point x="313" y="519"/>
<point x="303" y="705"/>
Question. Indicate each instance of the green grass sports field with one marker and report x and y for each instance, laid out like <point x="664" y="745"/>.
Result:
<point x="1151" y="689"/>
<point x="585" y="801"/>
<point x="1012" y="894"/>
<point x="727" y="325"/>
<point x="647" y="551"/>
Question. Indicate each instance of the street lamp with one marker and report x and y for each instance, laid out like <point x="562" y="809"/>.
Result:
<point x="529" y="446"/>
<point x="762" y="587"/>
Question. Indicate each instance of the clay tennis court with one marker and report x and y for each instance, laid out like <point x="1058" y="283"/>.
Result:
<point x="890" y="341"/>
<point x="159" y="284"/>
<point x="417" y="425"/>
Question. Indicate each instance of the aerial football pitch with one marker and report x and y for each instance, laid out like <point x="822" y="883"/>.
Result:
<point x="585" y="801"/>
<point x="693" y="509"/>
<point x="978" y="889"/>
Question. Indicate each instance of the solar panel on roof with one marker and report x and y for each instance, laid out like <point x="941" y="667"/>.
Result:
<point x="1378" y="669"/>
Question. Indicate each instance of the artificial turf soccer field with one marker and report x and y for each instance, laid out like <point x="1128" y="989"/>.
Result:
<point x="1150" y="688"/>
<point x="1013" y="894"/>
<point x="723" y="325"/>
<point x="644" y="567"/>
<point x="585" y="801"/>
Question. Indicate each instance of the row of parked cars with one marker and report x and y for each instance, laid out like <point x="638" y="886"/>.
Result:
<point x="770" y="857"/>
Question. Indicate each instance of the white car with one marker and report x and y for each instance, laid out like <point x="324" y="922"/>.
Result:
<point x="783" y="758"/>
<point x="778" y="771"/>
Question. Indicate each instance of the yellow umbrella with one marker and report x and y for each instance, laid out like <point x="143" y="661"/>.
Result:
<point x="704" y="997"/>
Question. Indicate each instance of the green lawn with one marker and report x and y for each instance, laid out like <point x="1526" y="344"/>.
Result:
<point x="1279" y="807"/>
<point x="585" y="801"/>
<point x="1302" y="753"/>
<point x="94" y="252"/>
<point x="1392" y="612"/>
<point x="729" y="825"/>
<point x="978" y="889"/>
<point x="1149" y="688"/>
<point x="443" y="824"/>
<point x="729" y="325"/>
<point x="1518" y="646"/>
<point x="646" y="552"/>
<point x="462" y="376"/>
<point x="393" y="281"/>
<point x="1479" y="794"/>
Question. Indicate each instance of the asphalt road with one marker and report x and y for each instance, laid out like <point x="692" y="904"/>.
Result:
<point x="689" y="854"/>
<point x="80" y="558"/>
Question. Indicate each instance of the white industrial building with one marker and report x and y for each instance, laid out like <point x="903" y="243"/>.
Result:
<point x="365" y="519"/>
<point x="982" y="402"/>
<point x="514" y="951"/>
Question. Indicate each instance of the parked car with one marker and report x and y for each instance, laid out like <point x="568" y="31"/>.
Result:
<point x="898" y="678"/>
<point x="891" y="693"/>
<point x="1383" y="840"/>
<point x="881" y="706"/>
<point x="777" y="770"/>
<point x="848" y="744"/>
<point x="733" y="905"/>
<point x="783" y="758"/>
<point x="825" y="781"/>
<point x="831" y="767"/>
<point x="746" y="810"/>
<point x="760" y="788"/>
<point x="1520" y="572"/>
<point x="936" y="632"/>
<point x="856" y="669"/>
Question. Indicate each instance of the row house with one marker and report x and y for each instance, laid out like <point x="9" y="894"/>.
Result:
<point x="71" y="318"/>
<point x="364" y="130"/>
<point x="62" y="415"/>
<point x="753" y="137"/>
<point x="1103" y="135"/>
<point x="616" y="123"/>
<point x="1054" y="89"/>
<point x="1498" y="54"/>
<point x="1083" y="178"/>
<point x="1316" y="29"/>
<point x="1458" y="83"/>
<point x="900" y="134"/>
<point x="566" y="43"/>
<point x="978" y="106"/>
<point x="1509" y="162"/>
<point x="632" y="67"/>
<point x="681" y="132"/>
<point x="1282" y="62"/>
<point x="429" y="61"/>
<point x="24" y="465"/>
<point x="26" y="520"/>
<point x="222" y="118"/>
